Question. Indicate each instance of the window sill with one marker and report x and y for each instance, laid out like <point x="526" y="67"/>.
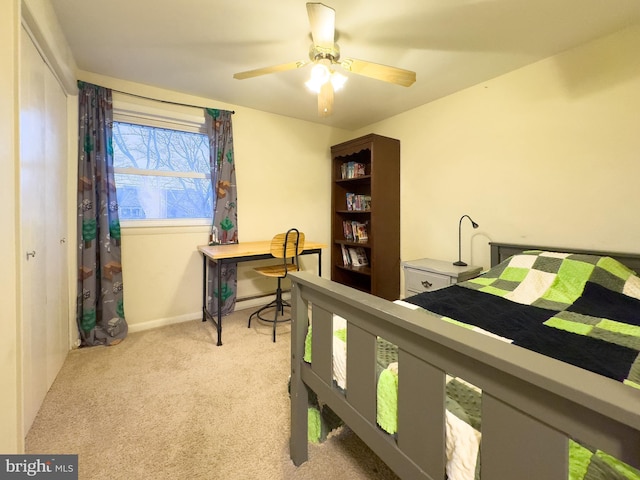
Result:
<point x="164" y="227"/>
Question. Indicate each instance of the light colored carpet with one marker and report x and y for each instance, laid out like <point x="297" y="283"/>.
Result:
<point x="169" y="404"/>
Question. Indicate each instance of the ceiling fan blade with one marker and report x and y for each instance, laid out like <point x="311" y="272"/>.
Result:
<point x="385" y="73"/>
<point x="325" y="100"/>
<point x="322" y="20"/>
<point x="266" y="70"/>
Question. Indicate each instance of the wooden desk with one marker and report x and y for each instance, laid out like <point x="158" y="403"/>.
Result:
<point x="236" y="253"/>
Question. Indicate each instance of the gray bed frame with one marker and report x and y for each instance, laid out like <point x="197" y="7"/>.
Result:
<point x="531" y="403"/>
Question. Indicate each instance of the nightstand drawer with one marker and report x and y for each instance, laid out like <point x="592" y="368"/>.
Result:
<point x="419" y="281"/>
<point x="428" y="274"/>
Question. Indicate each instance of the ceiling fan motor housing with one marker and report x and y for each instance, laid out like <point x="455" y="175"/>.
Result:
<point x="317" y="52"/>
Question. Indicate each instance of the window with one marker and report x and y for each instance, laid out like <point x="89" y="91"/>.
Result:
<point x="162" y="173"/>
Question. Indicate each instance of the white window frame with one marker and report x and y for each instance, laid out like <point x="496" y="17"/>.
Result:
<point x="152" y="113"/>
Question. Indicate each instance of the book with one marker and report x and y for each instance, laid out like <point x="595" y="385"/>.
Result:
<point x="351" y="200"/>
<point x="358" y="202"/>
<point x="359" y="231"/>
<point x="346" y="260"/>
<point x="347" y="228"/>
<point x="358" y="257"/>
<point x="352" y="170"/>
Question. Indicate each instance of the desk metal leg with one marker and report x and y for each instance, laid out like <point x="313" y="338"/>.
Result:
<point x="320" y="263"/>
<point x="206" y="314"/>
<point x="204" y="288"/>
<point x="219" y="322"/>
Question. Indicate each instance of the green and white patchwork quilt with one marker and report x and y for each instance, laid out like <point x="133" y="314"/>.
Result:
<point x="580" y="309"/>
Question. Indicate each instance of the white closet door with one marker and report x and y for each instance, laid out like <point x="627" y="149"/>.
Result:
<point x="55" y="228"/>
<point x="44" y="286"/>
<point x="32" y="206"/>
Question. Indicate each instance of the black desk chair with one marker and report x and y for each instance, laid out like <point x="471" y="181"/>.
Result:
<point x="286" y="246"/>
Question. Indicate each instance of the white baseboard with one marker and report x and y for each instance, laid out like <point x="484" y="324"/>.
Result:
<point x="240" y="305"/>
<point x="162" y="322"/>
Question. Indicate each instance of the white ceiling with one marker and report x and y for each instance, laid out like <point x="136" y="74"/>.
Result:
<point x="195" y="46"/>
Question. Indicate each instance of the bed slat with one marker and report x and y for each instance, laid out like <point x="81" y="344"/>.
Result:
<point x="361" y="365"/>
<point x="322" y="344"/>
<point x="514" y="445"/>
<point x="421" y="406"/>
<point x="298" y="442"/>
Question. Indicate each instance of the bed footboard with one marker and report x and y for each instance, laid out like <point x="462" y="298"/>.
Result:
<point x="531" y="404"/>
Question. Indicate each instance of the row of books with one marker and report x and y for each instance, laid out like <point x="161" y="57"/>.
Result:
<point x="354" y="256"/>
<point x="355" y="231"/>
<point x="358" y="202"/>
<point x="352" y="170"/>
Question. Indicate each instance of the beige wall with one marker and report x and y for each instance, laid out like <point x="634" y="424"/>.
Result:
<point x="10" y="439"/>
<point x="548" y="154"/>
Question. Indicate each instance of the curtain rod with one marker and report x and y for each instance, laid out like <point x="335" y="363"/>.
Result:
<point x="163" y="101"/>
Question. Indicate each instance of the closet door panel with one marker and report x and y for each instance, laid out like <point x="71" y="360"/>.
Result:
<point x="57" y="277"/>
<point x="44" y="285"/>
<point x="32" y="206"/>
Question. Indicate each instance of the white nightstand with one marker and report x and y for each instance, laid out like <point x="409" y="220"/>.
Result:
<point x="427" y="274"/>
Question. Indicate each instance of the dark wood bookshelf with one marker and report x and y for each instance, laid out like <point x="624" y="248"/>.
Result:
<point x="380" y="184"/>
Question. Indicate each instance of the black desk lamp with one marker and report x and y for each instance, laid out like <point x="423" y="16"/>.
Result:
<point x="460" y="263"/>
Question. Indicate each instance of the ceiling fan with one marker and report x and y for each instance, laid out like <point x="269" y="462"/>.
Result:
<point x="324" y="54"/>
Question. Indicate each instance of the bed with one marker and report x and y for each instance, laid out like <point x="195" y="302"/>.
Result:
<point x="531" y="403"/>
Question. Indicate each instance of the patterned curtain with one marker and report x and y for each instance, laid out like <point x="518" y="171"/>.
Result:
<point x="224" y="228"/>
<point x="100" y="311"/>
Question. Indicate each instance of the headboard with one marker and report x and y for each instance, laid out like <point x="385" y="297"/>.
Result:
<point x="502" y="251"/>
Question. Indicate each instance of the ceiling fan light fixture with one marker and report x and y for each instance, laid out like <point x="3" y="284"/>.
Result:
<point x="338" y="80"/>
<point x="320" y="75"/>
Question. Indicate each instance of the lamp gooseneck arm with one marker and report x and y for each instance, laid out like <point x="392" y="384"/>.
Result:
<point x="460" y="263"/>
<point x="460" y="239"/>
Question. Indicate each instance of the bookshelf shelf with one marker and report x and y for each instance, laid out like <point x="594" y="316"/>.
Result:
<point x="368" y="202"/>
<point x="363" y="179"/>
<point x="358" y="270"/>
<point x="350" y="243"/>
